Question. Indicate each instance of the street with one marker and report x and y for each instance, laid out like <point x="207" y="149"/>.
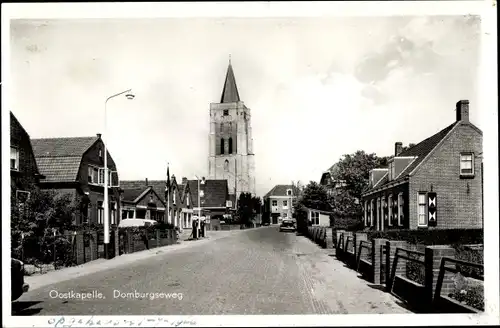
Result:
<point x="256" y="271"/>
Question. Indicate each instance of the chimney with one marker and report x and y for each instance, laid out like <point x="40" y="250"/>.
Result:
<point x="147" y="182"/>
<point x="411" y="145"/>
<point x="184" y="180"/>
<point x="99" y="135"/>
<point x="463" y="111"/>
<point x="398" y="148"/>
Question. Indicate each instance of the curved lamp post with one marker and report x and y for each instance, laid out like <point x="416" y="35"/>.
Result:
<point x="130" y="96"/>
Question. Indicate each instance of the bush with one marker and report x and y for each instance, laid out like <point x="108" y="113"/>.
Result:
<point x="433" y="236"/>
<point x="468" y="254"/>
<point x="472" y="296"/>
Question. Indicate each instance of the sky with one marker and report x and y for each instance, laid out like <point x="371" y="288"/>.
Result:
<point x="317" y="87"/>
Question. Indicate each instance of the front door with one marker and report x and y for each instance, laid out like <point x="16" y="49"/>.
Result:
<point x="275" y="217"/>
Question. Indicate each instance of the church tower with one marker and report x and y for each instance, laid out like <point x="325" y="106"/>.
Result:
<point x="231" y="154"/>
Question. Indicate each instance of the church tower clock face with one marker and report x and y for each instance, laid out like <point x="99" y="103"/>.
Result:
<point x="230" y="140"/>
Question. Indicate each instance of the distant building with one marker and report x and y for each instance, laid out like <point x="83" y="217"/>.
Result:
<point x="434" y="184"/>
<point x="214" y="200"/>
<point x="75" y="166"/>
<point x="231" y="155"/>
<point x="279" y="202"/>
<point x="318" y="217"/>
<point x="141" y="202"/>
<point x="24" y="173"/>
<point x="180" y="206"/>
<point x="329" y="181"/>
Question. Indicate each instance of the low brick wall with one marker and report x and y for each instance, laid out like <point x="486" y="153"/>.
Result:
<point x="396" y="263"/>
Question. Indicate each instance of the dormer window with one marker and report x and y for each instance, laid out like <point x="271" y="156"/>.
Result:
<point x="467" y="164"/>
<point x="289" y="192"/>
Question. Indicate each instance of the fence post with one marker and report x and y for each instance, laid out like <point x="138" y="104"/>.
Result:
<point x="358" y="237"/>
<point x="378" y="259"/>
<point x="390" y="255"/>
<point x="433" y="257"/>
<point x="329" y="238"/>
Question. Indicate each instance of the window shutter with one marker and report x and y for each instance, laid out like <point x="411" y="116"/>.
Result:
<point x="432" y="209"/>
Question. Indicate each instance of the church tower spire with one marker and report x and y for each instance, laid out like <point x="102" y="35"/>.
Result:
<point x="230" y="90"/>
<point x="231" y="155"/>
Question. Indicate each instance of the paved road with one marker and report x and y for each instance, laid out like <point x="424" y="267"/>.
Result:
<point x="258" y="271"/>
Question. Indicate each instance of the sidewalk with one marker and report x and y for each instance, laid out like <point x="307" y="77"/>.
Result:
<point x="41" y="280"/>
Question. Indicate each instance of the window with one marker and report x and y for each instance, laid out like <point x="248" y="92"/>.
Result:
<point x="187" y="199"/>
<point x="226" y="112"/>
<point x="400" y="209"/>
<point x="377" y="214"/>
<point x="230" y="145"/>
<point x="14" y="158"/>
<point x="285" y="204"/>
<point x="365" y="208"/>
<point x="113" y="213"/>
<point x="202" y="193"/>
<point x="173" y="197"/>
<point x="289" y="192"/>
<point x="285" y="215"/>
<point x="371" y="212"/>
<point x="389" y="209"/>
<point x="94" y="175"/>
<point x="124" y="214"/>
<point x="221" y="128"/>
<point x="315" y="218"/>
<point x="100" y="213"/>
<point x="422" y="209"/>
<point x="274" y="203"/>
<point x="467" y="164"/>
<point x="222" y="146"/>
<point x="393" y="171"/>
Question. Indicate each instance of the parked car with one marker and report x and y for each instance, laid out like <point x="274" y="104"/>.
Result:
<point x="287" y="225"/>
<point x="18" y="286"/>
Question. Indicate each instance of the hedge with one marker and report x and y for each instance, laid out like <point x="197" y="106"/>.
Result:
<point x="432" y="237"/>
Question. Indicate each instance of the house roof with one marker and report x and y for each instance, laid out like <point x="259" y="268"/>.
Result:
<point x="62" y="147"/>
<point x="14" y="120"/>
<point x="157" y="185"/>
<point x="130" y="195"/>
<point x="230" y="90"/>
<point x="420" y="151"/>
<point x="59" y="158"/>
<point x="280" y="190"/>
<point x="215" y="193"/>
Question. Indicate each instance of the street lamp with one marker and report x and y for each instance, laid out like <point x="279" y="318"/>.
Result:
<point x="129" y="96"/>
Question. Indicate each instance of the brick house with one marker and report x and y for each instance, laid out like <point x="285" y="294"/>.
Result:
<point x="434" y="184"/>
<point x="214" y="198"/>
<point x="24" y="173"/>
<point x="278" y="203"/>
<point x="75" y="166"/>
<point x="180" y="207"/>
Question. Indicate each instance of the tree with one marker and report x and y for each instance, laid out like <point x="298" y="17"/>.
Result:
<point x="248" y="207"/>
<point x="36" y="219"/>
<point x="353" y="172"/>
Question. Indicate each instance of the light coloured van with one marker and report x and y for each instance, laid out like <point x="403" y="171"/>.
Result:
<point x="136" y="223"/>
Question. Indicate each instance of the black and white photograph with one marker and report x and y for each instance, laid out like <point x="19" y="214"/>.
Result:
<point x="250" y="163"/>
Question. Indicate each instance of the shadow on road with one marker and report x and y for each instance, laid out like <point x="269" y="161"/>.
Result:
<point x="24" y="308"/>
